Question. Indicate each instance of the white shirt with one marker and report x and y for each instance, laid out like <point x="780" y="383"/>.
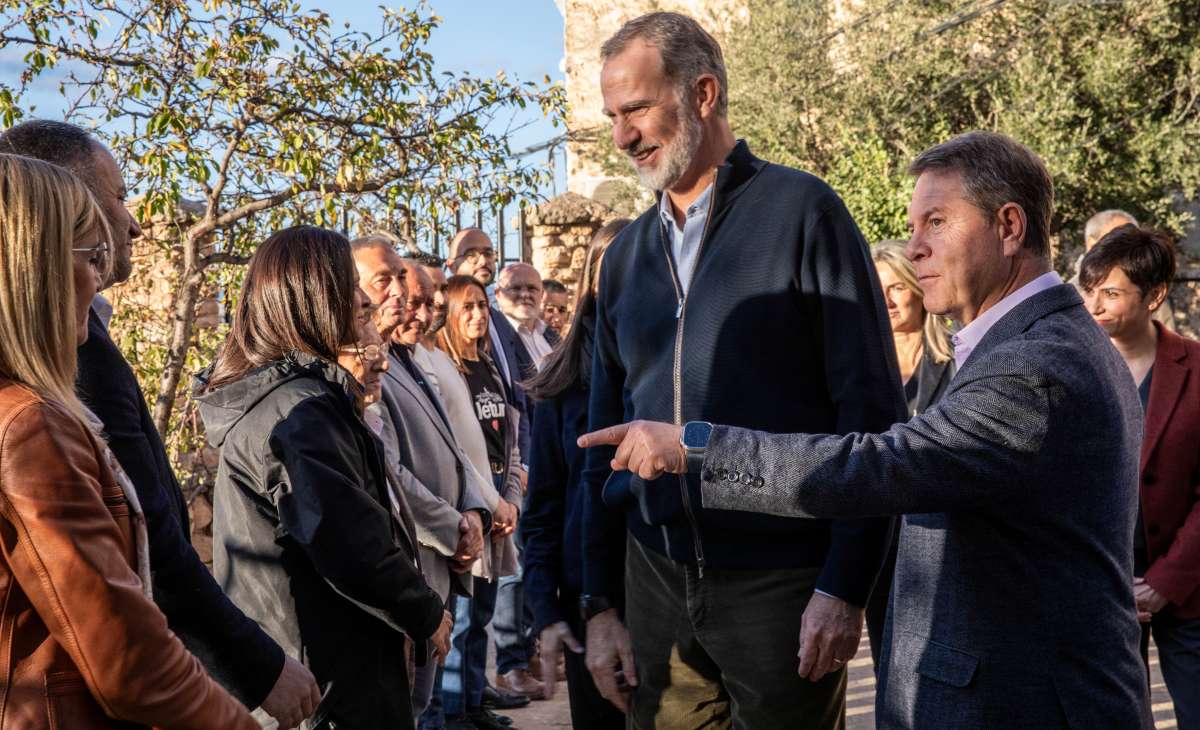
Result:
<point x="968" y="338"/>
<point x="103" y="309"/>
<point x="534" y="339"/>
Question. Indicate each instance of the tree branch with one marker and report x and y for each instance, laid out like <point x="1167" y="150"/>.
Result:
<point x="223" y="257"/>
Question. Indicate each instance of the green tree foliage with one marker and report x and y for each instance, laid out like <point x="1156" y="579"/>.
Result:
<point x="267" y="114"/>
<point x="1105" y="91"/>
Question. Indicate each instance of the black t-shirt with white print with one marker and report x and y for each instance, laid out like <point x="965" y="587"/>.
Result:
<point x="487" y="400"/>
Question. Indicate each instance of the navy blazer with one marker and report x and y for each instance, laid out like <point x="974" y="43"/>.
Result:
<point x="520" y="367"/>
<point x="234" y="650"/>
<point x="1012" y="604"/>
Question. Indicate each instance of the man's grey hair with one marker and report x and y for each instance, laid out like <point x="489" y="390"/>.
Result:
<point x="59" y="143"/>
<point x="1103" y="221"/>
<point x="374" y="240"/>
<point x="997" y="170"/>
<point x="506" y="274"/>
<point x="687" y="50"/>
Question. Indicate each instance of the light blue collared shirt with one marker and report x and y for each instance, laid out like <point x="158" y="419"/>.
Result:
<point x="685" y="244"/>
<point x="967" y="338"/>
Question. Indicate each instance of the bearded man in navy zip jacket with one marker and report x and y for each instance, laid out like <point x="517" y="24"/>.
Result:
<point x="746" y="295"/>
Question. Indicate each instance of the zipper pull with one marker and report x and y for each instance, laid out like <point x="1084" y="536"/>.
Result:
<point x="679" y="309"/>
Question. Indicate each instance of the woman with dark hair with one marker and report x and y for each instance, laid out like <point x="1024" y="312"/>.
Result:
<point x="1125" y="278"/>
<point x="83" y="644"/>
<point x="550" y="527"/>
<point x="303" y="537"/>
<point x="464" y="338"/>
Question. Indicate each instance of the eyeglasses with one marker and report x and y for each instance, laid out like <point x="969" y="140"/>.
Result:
<point x="475" y="254"/>
<point x="370" y="353"/>
<point x="100" y="248"/>
<point x="97" y="255"/>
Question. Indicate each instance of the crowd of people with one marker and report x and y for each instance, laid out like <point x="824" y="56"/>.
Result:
<point x="682" y="489"/>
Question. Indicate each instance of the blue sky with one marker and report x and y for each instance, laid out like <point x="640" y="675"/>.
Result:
<point x="523" y="37"/>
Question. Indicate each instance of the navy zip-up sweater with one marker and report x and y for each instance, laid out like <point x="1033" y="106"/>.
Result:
<point x="783" y="330"/>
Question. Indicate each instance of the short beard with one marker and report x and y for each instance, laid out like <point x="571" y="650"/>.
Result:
<point x="677" y="154"/>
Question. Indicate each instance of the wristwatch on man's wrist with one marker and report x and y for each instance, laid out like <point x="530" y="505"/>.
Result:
<point x="694" y="440"/>
<point x="589" y="606"/>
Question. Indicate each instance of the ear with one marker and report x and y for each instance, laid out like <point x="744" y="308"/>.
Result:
<point x="1011" y="227"/>
<point x="705" y="93"/>
<point x="1156" y="296"/>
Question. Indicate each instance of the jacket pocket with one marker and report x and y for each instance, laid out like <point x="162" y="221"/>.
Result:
<point x="947" y="664"/>
<point x="69" y="704"/>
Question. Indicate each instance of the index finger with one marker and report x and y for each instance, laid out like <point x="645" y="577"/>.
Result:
<point x="611" y="436"/>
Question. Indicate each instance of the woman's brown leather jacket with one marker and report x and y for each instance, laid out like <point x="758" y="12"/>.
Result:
<point x="80" y="643"/>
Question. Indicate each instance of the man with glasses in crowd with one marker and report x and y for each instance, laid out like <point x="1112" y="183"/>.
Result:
<point x="555" y="305"/>
<point x="519" y="294"/>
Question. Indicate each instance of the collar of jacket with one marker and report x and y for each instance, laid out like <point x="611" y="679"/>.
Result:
<point x="1170" y="374"/>
<point x="1024" y="315"/>
<point x="224" y="407"/>
<point x="733" y="176"/>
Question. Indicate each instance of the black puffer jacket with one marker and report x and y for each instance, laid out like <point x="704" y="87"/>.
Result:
<point x="303" y="540"/>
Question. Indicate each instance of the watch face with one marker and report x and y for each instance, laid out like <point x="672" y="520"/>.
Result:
<point x="695" y="434"/>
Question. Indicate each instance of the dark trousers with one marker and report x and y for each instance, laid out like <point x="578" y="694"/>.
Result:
<point x="589" y="711"/>
<point x="721" y="652"/>
<point x="1178" y="642"/>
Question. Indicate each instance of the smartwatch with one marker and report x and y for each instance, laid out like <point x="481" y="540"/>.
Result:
<point x="589" y="606"/>
<point x="694" y="440"/>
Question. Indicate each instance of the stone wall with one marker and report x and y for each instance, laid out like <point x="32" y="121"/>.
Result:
<point x="586" y="25"/>
<point x="559" y="232"/>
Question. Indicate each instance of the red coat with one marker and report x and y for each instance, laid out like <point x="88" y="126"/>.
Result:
<point x="1170" y="476"/>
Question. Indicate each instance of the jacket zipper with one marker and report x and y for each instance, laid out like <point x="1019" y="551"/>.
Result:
<point x="677" y="374"/>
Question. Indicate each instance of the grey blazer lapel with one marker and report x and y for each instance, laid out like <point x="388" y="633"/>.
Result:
<point x="1023" y="316"/>
<point x="399" y="375"/>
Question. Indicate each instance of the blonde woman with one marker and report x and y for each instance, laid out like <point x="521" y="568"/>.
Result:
<point x="926" y="360"/>
<point x="922" y="339"/>
<point x="89" y="645"/>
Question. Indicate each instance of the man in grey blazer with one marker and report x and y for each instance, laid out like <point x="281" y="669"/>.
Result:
<point x="449" y="513"/>
<point x="1012" y="604"/>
